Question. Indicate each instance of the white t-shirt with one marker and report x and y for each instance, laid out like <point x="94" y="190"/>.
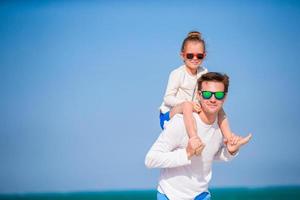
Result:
<point x="181" y="178"/>
<point x="181" y="87"/>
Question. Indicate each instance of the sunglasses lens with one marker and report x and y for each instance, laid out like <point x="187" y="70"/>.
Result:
<point x="189" y="56"/>
<point x="200" y="56"/>
<point x="219" y="95"/>
<point x="206" y="94"/>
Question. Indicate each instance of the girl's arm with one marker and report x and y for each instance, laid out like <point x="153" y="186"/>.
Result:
<point x="170" y="98"/>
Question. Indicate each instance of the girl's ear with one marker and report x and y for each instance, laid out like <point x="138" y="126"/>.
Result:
<point x="182" y="55"/>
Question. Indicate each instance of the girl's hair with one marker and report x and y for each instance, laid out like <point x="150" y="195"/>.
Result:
<point x="193" y="36"/>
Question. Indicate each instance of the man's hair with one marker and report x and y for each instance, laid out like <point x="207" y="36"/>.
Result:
<point x="216" y="77"/>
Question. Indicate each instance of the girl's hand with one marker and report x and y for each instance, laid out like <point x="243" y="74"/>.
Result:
<point x="196" y="107"/>
<point x="236" y="143"/>
<point x="194" y="147"/>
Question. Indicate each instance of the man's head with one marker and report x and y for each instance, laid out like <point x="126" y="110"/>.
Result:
<point x="212" y="88"/>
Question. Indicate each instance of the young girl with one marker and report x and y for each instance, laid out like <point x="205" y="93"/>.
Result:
<point x="181" y="92"/>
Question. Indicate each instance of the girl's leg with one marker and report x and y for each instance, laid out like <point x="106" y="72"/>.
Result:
<point x="189" y="121"/>
<point x="186" y="108"/>
<point x="191" y="126"/>
<point x="224" y="124"/>
<point x="176" y="110"/>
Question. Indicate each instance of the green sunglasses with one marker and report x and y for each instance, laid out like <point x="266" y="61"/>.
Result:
<point x="209" y="94"/>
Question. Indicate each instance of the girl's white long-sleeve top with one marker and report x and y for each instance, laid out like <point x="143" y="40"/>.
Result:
<point x="181" y="178"/>
<point x="181" y="87"/>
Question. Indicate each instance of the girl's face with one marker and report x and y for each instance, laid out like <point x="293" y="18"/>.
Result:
<point x="193" y="55"/>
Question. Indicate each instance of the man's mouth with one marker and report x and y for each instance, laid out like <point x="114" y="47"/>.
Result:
<point x="212" y="106"/>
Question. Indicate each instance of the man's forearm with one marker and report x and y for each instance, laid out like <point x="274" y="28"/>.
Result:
<point x="176" y="158"/>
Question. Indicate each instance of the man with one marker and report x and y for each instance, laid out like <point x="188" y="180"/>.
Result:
<point x="183" y="175"/>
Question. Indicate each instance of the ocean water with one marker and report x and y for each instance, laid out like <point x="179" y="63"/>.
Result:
<point x="268" y="193"/>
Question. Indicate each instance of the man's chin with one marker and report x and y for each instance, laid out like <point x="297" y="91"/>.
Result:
<point x="213" y="110"/>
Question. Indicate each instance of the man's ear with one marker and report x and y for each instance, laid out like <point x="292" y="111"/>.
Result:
<point x="225" y="97"/>
<point x="198" y="96"/>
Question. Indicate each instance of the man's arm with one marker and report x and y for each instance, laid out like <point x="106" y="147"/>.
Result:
<point x="165" y="152"/>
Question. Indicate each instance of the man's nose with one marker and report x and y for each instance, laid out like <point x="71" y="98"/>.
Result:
<point x="213" y="99"/>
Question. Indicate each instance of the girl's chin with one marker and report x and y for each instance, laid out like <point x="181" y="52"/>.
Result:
<point x="193" y="66"/>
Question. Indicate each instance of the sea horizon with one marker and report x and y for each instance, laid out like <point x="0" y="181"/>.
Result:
<point x="218" y="193"/>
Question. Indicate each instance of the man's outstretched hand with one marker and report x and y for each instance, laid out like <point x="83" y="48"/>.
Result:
<point x="235" y="142"/>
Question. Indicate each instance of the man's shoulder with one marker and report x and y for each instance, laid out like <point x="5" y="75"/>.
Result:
<point x="178" y="119"/>
<point x="176" y="122"/>
<point x="176" y="128"/>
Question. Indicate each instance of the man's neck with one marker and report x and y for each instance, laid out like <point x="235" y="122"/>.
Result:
<point x="208" y="118"/>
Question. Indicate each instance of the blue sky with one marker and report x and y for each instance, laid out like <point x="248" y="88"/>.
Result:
<point x="81" y="83"/>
